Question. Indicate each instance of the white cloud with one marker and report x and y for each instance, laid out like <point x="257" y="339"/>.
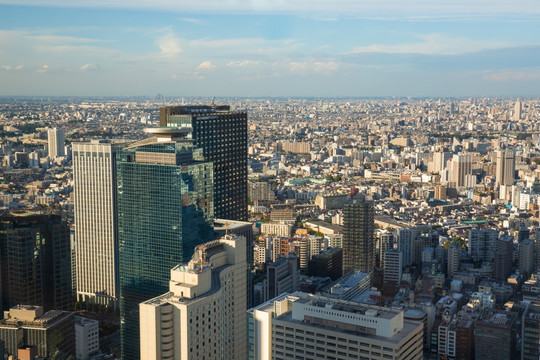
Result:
<point x="434" y="44"/>
<point x="19" y="67"/>
<point x="307" y="67"/>
<point x="5" y="67"/>
<point x="169" y="45"/>
<point x="243" y="63"/>
<point x="206" y="65"/>
<point x="89" y="67"/>
<point x="513" y="75"/>
<point x="43" y="69"/>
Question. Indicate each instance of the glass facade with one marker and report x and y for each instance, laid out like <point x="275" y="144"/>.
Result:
<point x="222" y="134"/>
<point x="35" y="259"/>
<point x="358" y="241"/>
<point x="165" y="209"/>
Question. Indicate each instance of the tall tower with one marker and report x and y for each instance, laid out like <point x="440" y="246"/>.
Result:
<point x="35" y="261"/>
<point x="222" y="134"/>
<point x="453" y="259"/>
<point x="506" y="167"/>
<point x="96" y="230"/>
<point x="165" y="209"/>
<point x="517" y="110"/>
<point x="55" y="143"/>
<point x="461" y="167"/>
<point x="358" y="238"/>
<point x="204" y="313"/>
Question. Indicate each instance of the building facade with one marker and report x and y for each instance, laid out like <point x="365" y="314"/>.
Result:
<point x="55" y="143"/>
<point x="222" y="134"/>
<point x="204" y="313"/>
<point x="358" y="236"/>
<point x="165" y="209"/>
<point x="35" y="261"/>
<point x="96" y="224"/>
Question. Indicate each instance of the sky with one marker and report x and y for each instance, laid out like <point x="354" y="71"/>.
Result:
<point x="254" y="48"/>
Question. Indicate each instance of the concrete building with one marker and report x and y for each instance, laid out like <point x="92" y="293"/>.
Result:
<point x="393" y="263"/>
<point x="329" y="202"/>
<point x="86" y="337"/>
<point x="405" y="245"/>
<point x="301" y="147"/>
<point x="48" y="335"/>
<point x="55" y="143"/>
<point x="530" y="333"/>
<point x="318" y="327"/>
<point x="204" y="313"/>
<point x="526" y="257"/>
<point x="386" y="242"/>
<point x="483" y="244"/>
<point x="504" y="258"/>
<point x="358" y="236"/>
<point x="277" y="228"/>
<point x="328" y="264"/>
<point x="281" y="276"/>
<point x="96" y="223"/>
<point x="453" y="258"/>
<point x="460" y="166"/>
<point x="495" y="336"/>
<point x="506" y="167"/>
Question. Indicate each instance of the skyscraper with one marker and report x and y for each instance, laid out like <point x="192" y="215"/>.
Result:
<point x="55" y="142"/>
<point x="165" y="209"/>
<point x="503" y="257"/>
<point x="453" y="258"/>
<point x="517" y="110"/>
<point x="461" y="166"/>
<point x="483" y="244"/>
<point x="204" y="313"/>
<point x="358" y="238"/>
<point x="222" y="134"/>
<point x="392" y="266"/>
<point x="35" y="260"/>
<point x="94" y="178"/>
<point x="506" y="166"/>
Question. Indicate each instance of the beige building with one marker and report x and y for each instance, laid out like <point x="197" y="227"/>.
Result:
<point x="203" y="316"/>
<point x="277" y="228"/>
<point x="94" y="188"/>
<point x="317" y="327"/>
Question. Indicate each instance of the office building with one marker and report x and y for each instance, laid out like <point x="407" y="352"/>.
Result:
<point x="506" y="167"/>
<point x="483" y="244"/>
<point x="56" y="143"/>
<point x="35" y="260"/>
<point x="517" y="110"/>
<point x="495" y="336"/>
<point x="526" y="257"/>
<point x="165" y="209"/>
<point x="386" y="242"/>
<point x="224" y="227"/>
<point x="281" y="276"/>
<point x="96" y="225"/>
<point x="460" y="167"/>
<point x="260" y="325"/>
<point x="222" y="134"/>
<point x="328" y="264"/>
<point x="530" y="333"/>
<point x="358" y="236"/>
<point x="86" y="337"/>
<point x="504" y="257"/>
<point x="453" y="259"/>
<point x="393" y="263"/>
<point x="26" y="331"/>
<point x="203" y="316"/>
<point x="319" y="327"/>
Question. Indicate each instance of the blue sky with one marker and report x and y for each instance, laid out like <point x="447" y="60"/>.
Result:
<point x="270" y="48"/>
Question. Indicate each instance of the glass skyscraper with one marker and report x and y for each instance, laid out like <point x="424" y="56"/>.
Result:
<point x="165" y="209"/>
<point x="222" y="134"/>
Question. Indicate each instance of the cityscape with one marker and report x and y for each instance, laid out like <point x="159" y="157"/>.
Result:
<point x="259" y="180"/>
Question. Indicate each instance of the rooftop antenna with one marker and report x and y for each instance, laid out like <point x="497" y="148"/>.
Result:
<point x="213" y="104"/>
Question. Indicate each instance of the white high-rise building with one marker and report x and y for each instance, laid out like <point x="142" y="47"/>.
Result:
<point x="86" y="337"/>
<point x="55" y="142"/>
<point x="517" y="110"/>
<point x="459" y="167"/>
<point x="203" y="316"/>
<point x="94" y="178"/>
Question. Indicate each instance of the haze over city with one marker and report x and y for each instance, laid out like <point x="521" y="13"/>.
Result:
<point x="265" y="48"/>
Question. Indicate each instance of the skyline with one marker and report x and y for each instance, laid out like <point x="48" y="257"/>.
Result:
<point x="258" y="49"/>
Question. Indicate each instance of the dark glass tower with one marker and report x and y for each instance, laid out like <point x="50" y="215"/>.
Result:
<point x="165" y="209"/>
<point x="222" y="134"/>
<point x="35" y="258"/>
<point x="358" y="242"/>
